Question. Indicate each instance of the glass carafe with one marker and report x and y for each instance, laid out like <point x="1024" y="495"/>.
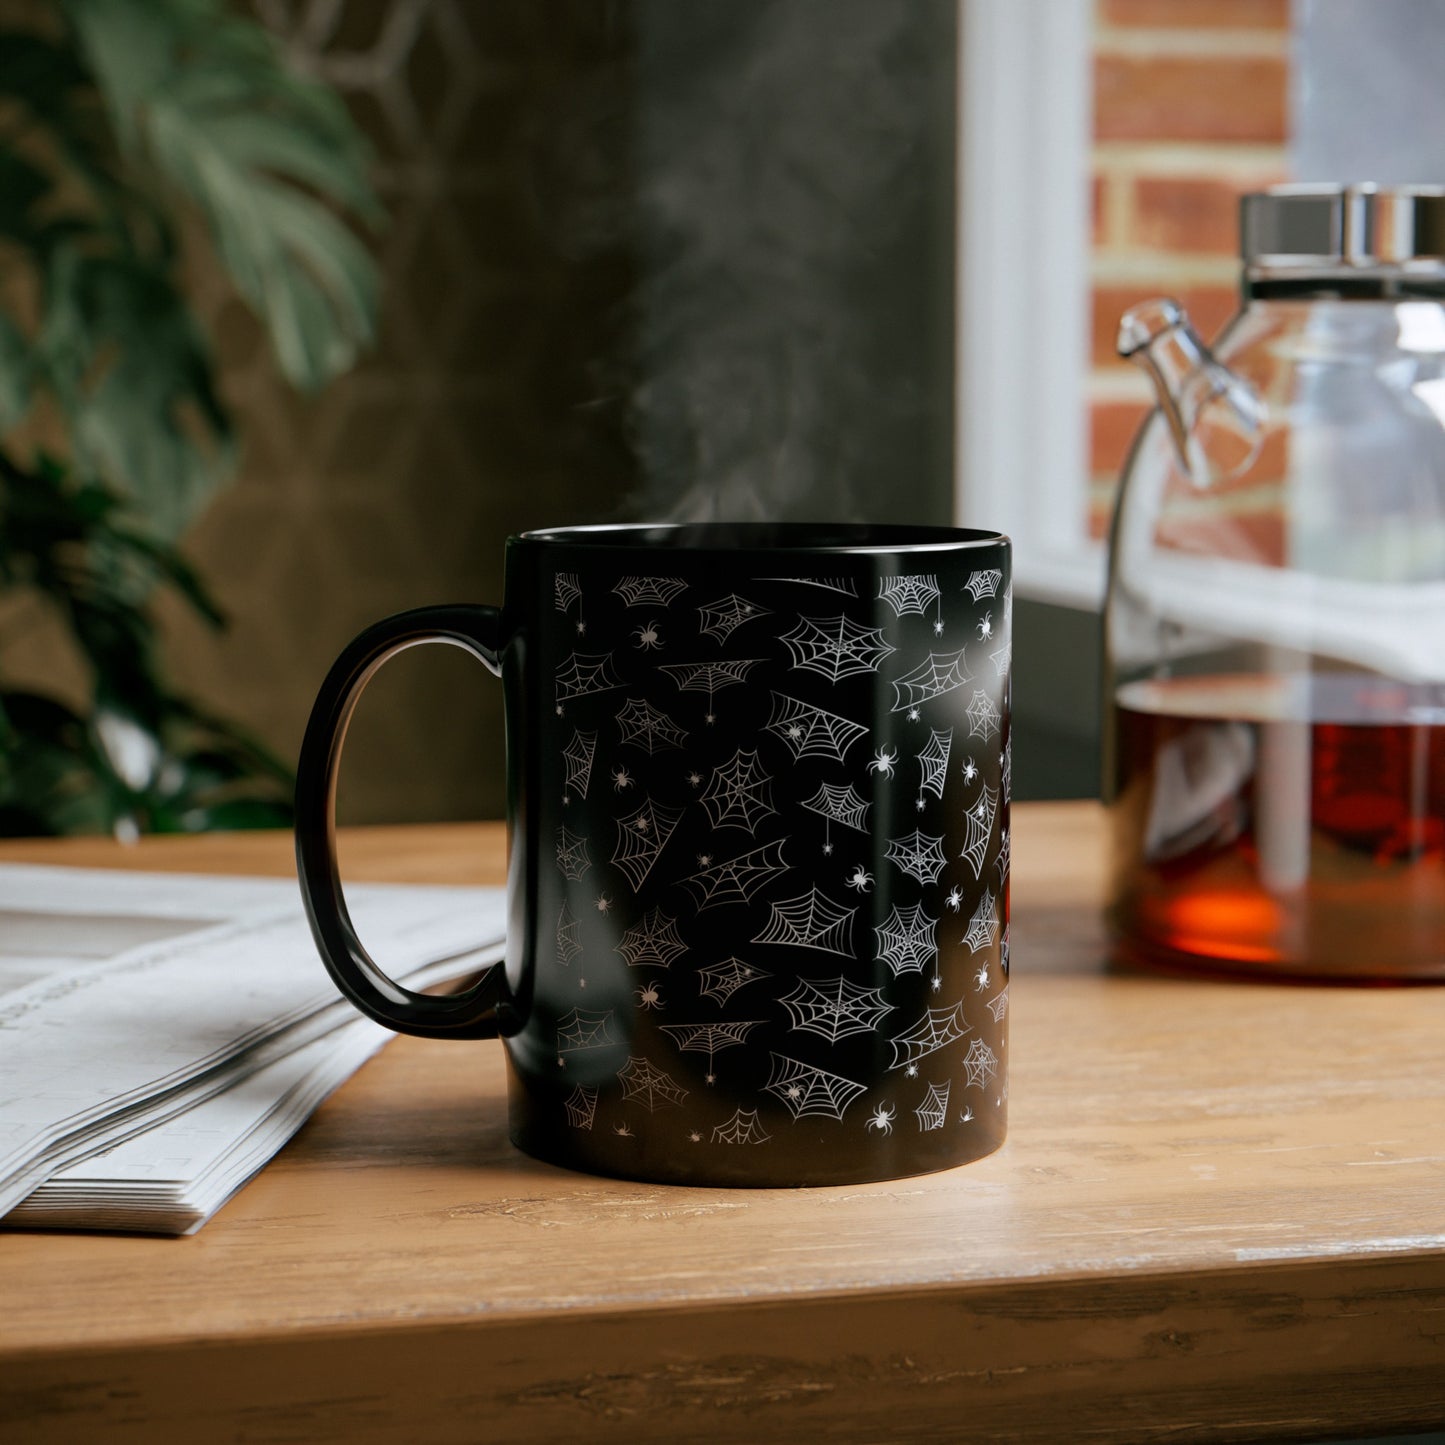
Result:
<point x="1275" y="622"/>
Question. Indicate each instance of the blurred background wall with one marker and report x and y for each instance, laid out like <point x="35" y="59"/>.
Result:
<point x="643" y="259"/>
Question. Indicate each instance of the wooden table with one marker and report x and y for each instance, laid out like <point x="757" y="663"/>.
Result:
<point x="1220" y="1214"/>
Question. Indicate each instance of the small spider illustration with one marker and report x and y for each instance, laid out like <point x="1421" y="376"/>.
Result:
<point x="970" y="770"/>
<point x="827" y="850"/>
<point x="936" y="984"/>
<point x="647" y="636"/>
<point x="919" y="804"/>
<point x="980" y="979"/>
<point x="938" y="627"/>
<point x="643" y="825"/>
<point x="695" y="1137"/>
<point x="704" y="860"/>
<point x="621" y="779"/>
<point x="884" y="761"/>
<point x="695" y="779"/>
<point x="954" y="899"/>
<point x="623" y="1131"/>
<point x="795" y="732"/>
<point x="881" y="1119"/>
<point x="967" y="1116"/>
<point x="985" y="628"/>
<point x="649" y="996"/>
<point x="911" y="1072"/>
<point x="604" y="903"/>
<point x="859" y="879"/>
<point x="914" y="714"/>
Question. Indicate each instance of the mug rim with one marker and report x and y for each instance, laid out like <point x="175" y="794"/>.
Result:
<point x="812" y="538"/>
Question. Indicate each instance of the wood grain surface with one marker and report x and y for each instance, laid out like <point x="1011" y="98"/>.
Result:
<point x="1219" y="1215"/>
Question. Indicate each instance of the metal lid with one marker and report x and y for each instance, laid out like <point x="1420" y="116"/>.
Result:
<point x="1332" y="227"/>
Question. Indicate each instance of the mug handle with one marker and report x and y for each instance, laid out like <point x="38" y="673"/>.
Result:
<point x="471" y="1014"/>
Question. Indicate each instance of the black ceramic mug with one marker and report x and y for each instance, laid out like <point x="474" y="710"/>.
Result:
<point x="758" y="806"/>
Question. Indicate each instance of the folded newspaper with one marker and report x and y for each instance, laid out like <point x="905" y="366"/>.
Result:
<point x="162" y="1035"/>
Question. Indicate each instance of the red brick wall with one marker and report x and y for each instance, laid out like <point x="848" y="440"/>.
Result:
<point x="1190" y="111"/>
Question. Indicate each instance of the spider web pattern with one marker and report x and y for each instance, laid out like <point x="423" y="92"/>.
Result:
<point x="998" y="1007"/>
<point x="649" y="591"/>
<point x="835" y="1008"/>
<point x="983" y="584"/>
<point x="572" y="856"/>
<point x="722" y="618"/>
<point x="980" y="1064"/>
<point x="587" y="672"/>
<point x="709" y="677"/>
<point x="1001" y="863"/>
<point x="723" y="980"/>
<point x="641" y="837"/>
<point x="1003" y="951"/>
<point x="983" y="716"/>
<point x="644" y="726"/>
<point x="840" y="805"/>
<point x="835" y="647"/>
<point x="565" y="590"/>
<point x="943" y="672"/>
<point x="740" y="794"/>
<point x="846" y="585"/>
<point x="737" y="879"/>
<point x="1002" y="658"/>
<point x="810" y="921"/>
<point x="649" y="1086"/>
<point x="933" y="1111"/>
<point x="978" y="829"/>
<point x="1006" y="778"/>
<point x="583" y="1030"/>
<point x="578" y="756"/>
<point x="807" y="1090"/>
<point x="982" y="924"/>
<point x="938" y="1028"/>
<point x="568" y="944"/>
<point x="909" y="596"/>
<point x="655" y="940"/>
<point x="709" y="1038"/>
<point x="920" y="855"/>
<point x="581" y="1106"/>
<point x="742" y="1128"/>
<point x="813" y="732"/>
<point x="907" y="941"/>
<point x="933" y="763"/>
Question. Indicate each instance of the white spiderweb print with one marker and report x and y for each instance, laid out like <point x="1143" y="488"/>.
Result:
<point x="933" y="1111"/>
<point x="998" y="1006"/>
<point x="582" y="1030"/>
<point x="739" y="794"/>
<point x="835" y="1008"/>
<point x="980" y="1064"/>
<point x="933" y="763"/>
<point x="835" y="647"/>
<point x="648" y="1086"/>
<point x="983" y="584"/>
<point x="720" y="619"/>
<point x="813" y="732"/>
<point x="938" y="1028"/>
<point x="846" y="585"/>
<point x="1001" y="863"/>
<point x="709" y="1038"/>
<point x="581" y="1106"/>
<point x="978" y="829"/>
<point x="577" y="757"/>
<point x="920" y="855"/>
<point x="709" y="677"/>
<point x="649" y="591"/>
<point x="572" y="856"/>
<point x="810" y="921"/>
<point x="807" y="1090"/>
<point x="655" y="941"/>
<point x="843" y="805"/>
<point x="723" y="980"/>
<point x="565" y="590"/>
<point x="644" y="726"/>
<point x="743" y="1128"/>
<point x="641" y="837"/>
<point x="982" y="924"/>
<point x="941" y="673"/>
<point x="983" y="717"/>
<point x="908" y="939"/>
<point x="735" y="880"/>
<point x="909" y="596"/>
<point x="585" y="673"/>
<point x="568" y="944"/>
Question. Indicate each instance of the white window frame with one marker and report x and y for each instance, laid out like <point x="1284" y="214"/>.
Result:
<point x="1025" y="136"/>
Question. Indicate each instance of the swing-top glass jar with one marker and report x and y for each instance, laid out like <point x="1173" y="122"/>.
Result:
<point x="1275" y="624"/>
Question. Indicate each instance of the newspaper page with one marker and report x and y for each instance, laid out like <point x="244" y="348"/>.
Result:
<point x="129" y="1000"/>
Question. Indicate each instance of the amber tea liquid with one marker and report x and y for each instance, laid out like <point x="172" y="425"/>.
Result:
<point x="1290" y="826"/>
